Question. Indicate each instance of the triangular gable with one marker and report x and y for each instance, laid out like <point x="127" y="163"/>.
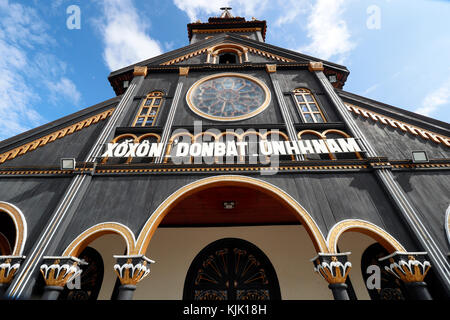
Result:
<point x="204" y="50"/>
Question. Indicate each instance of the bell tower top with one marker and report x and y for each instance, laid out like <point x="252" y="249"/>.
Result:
<point x="226" y="22"/>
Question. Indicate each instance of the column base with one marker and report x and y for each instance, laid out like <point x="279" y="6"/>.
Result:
<point x="126" y="292"/>
<point x="339" y="291"/>
<point x="51" y="292"/>
<point x="3" y="288"/>
<point x="418" y="291"/>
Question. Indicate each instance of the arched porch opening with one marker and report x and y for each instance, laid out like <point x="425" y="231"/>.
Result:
<point x="231" y="207"/>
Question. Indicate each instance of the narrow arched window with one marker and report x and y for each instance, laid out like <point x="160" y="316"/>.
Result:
<point x="149" y="110"/>
<point x="308" y="107"/>
<point x="227" y="58"/>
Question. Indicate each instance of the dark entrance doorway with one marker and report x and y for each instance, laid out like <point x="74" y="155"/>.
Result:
<point x="231" y="269"/>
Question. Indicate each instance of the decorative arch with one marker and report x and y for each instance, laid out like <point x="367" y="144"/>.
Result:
<point x="83" y="240"/>
<point x="20" y="226"/>
<point x="126" y="136"/>
<point x="148" y="135"/>
<point x="367" y="228"/>
<point x="158" y="215"/>
<point x="341" y="133"/>
<point x="215" y="51"/>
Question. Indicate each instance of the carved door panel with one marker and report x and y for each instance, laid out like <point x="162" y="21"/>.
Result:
<point x="231" y="269"/>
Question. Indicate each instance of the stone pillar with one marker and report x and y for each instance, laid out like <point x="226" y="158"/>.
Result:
<point x="131" y="270"/>
<point x="334" y="268"/>
<point x="57" y="272"/>
<point x="8" y="269"/>
<point x="411" y="268"/>
<point x="284" y="109"/>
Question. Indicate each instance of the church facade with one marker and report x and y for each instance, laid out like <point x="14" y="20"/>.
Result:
<point x="229" y="169"/>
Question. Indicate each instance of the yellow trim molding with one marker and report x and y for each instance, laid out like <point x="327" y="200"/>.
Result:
<point x="20" y="225"/>
<point x="399" y="125"/>
<point x="19" y="151"/>
<point x="365" y="227"/>
<point x="84" y="239"/>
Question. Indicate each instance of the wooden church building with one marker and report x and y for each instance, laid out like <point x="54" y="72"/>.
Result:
<point x="229" y="169"/>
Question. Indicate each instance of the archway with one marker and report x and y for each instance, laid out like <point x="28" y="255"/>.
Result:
<point x="270" y="191"/>
<point x="231" y="207"/>
<point x="13" y="230"/>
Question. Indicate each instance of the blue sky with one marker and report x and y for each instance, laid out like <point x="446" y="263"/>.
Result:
<point x="397" y="51"/>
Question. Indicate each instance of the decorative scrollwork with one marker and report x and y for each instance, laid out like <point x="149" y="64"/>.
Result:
<point x="408" y="267"/>
<point x="8" y="268"/>
<point x="253" y="294"/>
<point x="202" y="295"/>
<point x="58" y="271"/>
<point x="132" y="269"/>
<point x="231" y="270"/>
<point x="334" y="268"/>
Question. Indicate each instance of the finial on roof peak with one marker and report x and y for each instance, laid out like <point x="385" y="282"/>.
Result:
<point x="226" y="12"/>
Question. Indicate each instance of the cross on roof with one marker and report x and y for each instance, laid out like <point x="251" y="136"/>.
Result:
<point x="226" y="12"/>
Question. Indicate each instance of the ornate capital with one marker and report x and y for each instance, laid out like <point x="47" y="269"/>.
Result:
<point x="333" y="267"/>
<point x="58" y="271"/>
<point x="315" y="66"/>
<point x="132" y="269"/>
<point x="184" y="71"/>
<point x="8" y="267"/>
<point x="407" y="266"/>
<point x="271" y="68"/>
<point x="140" y="71"/>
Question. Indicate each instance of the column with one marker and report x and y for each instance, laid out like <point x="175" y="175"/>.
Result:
<point x="57" y="272"/>
<point x="167" y="131"/>
<point x="334" y="268"/>
<point x="8" y="269"/>
<point x="292" y="133"/>
<point x="53" y="232"/>
<point x="411" y="268"/>
<point x="131" y="270"/>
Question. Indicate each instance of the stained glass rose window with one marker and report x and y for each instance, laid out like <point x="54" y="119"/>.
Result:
<point x="228" y="97"/>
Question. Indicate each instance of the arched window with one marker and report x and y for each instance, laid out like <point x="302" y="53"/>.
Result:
<point x="7" y="234"/>
<point x="149" y="110"/>
<point x="227" y="58"/>
<point x="231" y="269"/>
<point x="227" y="53"/>
<point x="308" y="107"/>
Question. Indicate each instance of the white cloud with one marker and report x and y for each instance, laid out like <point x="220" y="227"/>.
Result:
<point x="328" y="31"/>
<point x="200" y="8"/>
<point x="63" y="89"/>
<point x="27" y="69"/>
<point x="291" y="10"/>
<point x="436" y="99"/>
<point x="124" y="35"/>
